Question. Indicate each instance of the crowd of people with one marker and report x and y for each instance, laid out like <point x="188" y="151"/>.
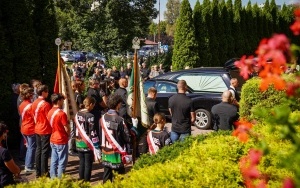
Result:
<point x="101" y="129"/>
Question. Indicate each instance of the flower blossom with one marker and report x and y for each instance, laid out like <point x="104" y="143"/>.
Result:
<point x="296" y="25"/>
<point x="272" y="55"/>
<point x="242" y="130"/>
<point x="248" y="166"/>
<point x="288" y="183"/>
<point x="292" y="88"/>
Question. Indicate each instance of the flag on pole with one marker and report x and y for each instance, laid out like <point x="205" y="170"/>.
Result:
<point x="56" y="84"/>
<point x="63" y="85"/>
<point x="138" y="105"/>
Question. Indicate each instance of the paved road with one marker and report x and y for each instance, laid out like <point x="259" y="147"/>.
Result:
<point x="195" y="130"/>
<point x="97" y="173"/>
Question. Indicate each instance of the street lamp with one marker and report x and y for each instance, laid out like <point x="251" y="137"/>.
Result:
<point x="158" y="27"/>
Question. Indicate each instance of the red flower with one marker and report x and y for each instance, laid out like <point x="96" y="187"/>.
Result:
<point x="242" y="130"/>
<point x="248" y="166"/>
<point x="262" y="184"/>
<point x="289" y="183"/>
<point x="297" y="12"/>
<point x="292" y="88"/>
<point x="276" y="80"/>
<point x="245" y="65"/>
<point x="295" y="28"/>
<point x="255" y="156"/>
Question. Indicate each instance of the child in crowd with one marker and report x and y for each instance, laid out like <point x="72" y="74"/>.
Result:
<point x="27" y="126"/>
<point x="158" y="137"/>
<point x="87" y="141"/>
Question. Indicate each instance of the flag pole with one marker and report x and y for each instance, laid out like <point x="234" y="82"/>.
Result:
<point x="135" y="82"/>
<point x="135" y="46"/>
<point x="58" y="43"/>
<point x="59" y="71"/>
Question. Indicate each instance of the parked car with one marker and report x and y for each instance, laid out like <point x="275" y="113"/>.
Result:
<point x="205" y="87"/>
<point x="67" y="56"/>
<point x="79" y="56"/>
<point x="89" y="56"/>
<point x="98" y="56"/>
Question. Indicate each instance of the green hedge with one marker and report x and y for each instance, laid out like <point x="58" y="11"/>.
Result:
<point x="211" y="161"/>
<point x="254" y="103"/>
<point x="172" y="152"/>
<point x="203" y="161"/>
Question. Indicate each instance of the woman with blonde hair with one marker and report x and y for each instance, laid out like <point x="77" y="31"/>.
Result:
<point x="158" y="137"/>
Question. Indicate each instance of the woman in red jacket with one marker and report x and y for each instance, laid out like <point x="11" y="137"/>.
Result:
<point x="27" y="127"/>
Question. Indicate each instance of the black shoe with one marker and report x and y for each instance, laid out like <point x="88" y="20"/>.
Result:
<point x="72" y="153"/>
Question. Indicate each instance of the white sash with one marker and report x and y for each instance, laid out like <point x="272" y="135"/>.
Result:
<point x="111" y="139"/>
<point x="53" y="116"/>
<point x="152" y="147"/>
<point x="86" y="139"/>
<point x="25" y="109"/>
<point x="37" y="109"/>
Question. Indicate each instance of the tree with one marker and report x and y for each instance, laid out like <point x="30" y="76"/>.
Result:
<point x="185" y="49"/>
<point x="206" y="7"/>
<point x="238" y="35"/>
<point x="228" y="13"/>
<point x="171" y="14"/>
<point x="143" y="13"/>
<point x="251" y="27"/>
<point x="201" y="35"/>
<point x="274" y="14"/>
<point x="267" y="17"/>
<point x="21" y="39"/>
<point x="108" y="28"/>
<point x="46" y="29"/>
<point x="6" y="79"/>
<point x="220" y="48"/>
<point x="153" y="30"/>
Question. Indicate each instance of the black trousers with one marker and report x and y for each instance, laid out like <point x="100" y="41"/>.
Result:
<point x="42" y="154"/>
<point x="108" y="173"/>
<point x="85" y="165"/>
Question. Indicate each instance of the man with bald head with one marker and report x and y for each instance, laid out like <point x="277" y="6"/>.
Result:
<point x="123" y="83"/>
<point x="224" y="113"/>
<point x="182" y="110"/>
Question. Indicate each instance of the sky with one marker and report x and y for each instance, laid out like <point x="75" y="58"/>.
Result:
<point x="193" y="2"/>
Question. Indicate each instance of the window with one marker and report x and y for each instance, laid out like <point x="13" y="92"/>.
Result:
<point x="147" y="85"/>
<point x="163" y="87"/>
<point x="202" y="82"/>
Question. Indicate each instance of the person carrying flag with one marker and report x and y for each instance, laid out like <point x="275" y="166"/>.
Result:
<point x="87" y="140"/>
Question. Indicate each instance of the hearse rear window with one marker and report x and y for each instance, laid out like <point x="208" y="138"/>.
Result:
<point x="200" y="82"/>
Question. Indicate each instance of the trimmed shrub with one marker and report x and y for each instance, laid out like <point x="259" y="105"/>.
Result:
<point x="65" y="181"/>
<point x="254" y="103"/>
<point x="211" y="162"/>
<point x="171" y="152"/>
<point x="203" y="161"/>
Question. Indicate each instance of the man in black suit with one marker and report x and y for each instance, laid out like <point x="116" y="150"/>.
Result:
<point x="224" y="113"/>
